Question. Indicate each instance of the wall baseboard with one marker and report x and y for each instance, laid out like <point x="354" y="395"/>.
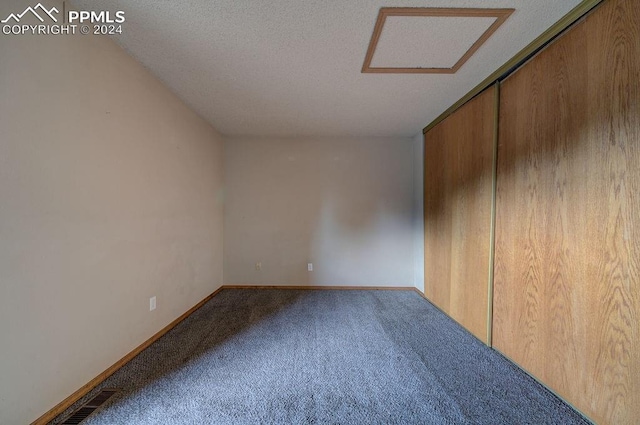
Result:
<point x="316" y="287"/>
<point x="86" y="388"/>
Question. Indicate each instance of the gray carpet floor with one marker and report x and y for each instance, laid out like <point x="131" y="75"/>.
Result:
<point x="323" y="357"/>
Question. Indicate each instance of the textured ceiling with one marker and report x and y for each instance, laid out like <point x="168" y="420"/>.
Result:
<point x="416" y="41"/>
<point x="292" y="67"/>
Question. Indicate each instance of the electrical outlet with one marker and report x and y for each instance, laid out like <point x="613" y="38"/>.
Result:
<point x="152" y="303"/>
<point x="258" y="266"/>
<point x="309" y="267"/>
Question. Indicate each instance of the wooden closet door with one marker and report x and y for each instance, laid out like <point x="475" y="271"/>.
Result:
<point x="458" y="202"/>
<point x="567" y="264"/>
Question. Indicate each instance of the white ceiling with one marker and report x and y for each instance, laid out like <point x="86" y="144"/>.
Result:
<point x="292" y="67"/>
<point x="417" y="41"/>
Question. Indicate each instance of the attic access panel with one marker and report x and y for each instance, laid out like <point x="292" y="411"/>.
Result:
<point x="433" y="40"/>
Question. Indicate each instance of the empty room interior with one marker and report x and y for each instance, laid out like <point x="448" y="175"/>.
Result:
<point x="319" y="212"/>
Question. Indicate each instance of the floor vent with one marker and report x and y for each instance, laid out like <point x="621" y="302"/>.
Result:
<point x="88" y="408"/>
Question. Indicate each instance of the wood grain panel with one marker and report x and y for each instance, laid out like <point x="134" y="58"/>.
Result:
<point x="567" y="262"/>
<point x="458" y="201"/>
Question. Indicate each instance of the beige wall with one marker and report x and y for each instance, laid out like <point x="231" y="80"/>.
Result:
<point x="110" y="193"/>
<point x="345" y="205"/>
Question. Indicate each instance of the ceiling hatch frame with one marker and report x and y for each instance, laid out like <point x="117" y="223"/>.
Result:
<point x="501" y="16"/>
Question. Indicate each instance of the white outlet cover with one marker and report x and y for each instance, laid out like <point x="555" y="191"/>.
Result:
<point x="310" y="267"/>
<point x="152" y="303"/>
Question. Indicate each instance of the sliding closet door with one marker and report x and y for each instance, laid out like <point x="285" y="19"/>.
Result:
<point x="459" y="154"/>
<point x="567" y="265"/>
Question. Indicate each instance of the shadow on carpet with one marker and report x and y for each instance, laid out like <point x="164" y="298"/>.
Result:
<point x="323" y="357"/>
